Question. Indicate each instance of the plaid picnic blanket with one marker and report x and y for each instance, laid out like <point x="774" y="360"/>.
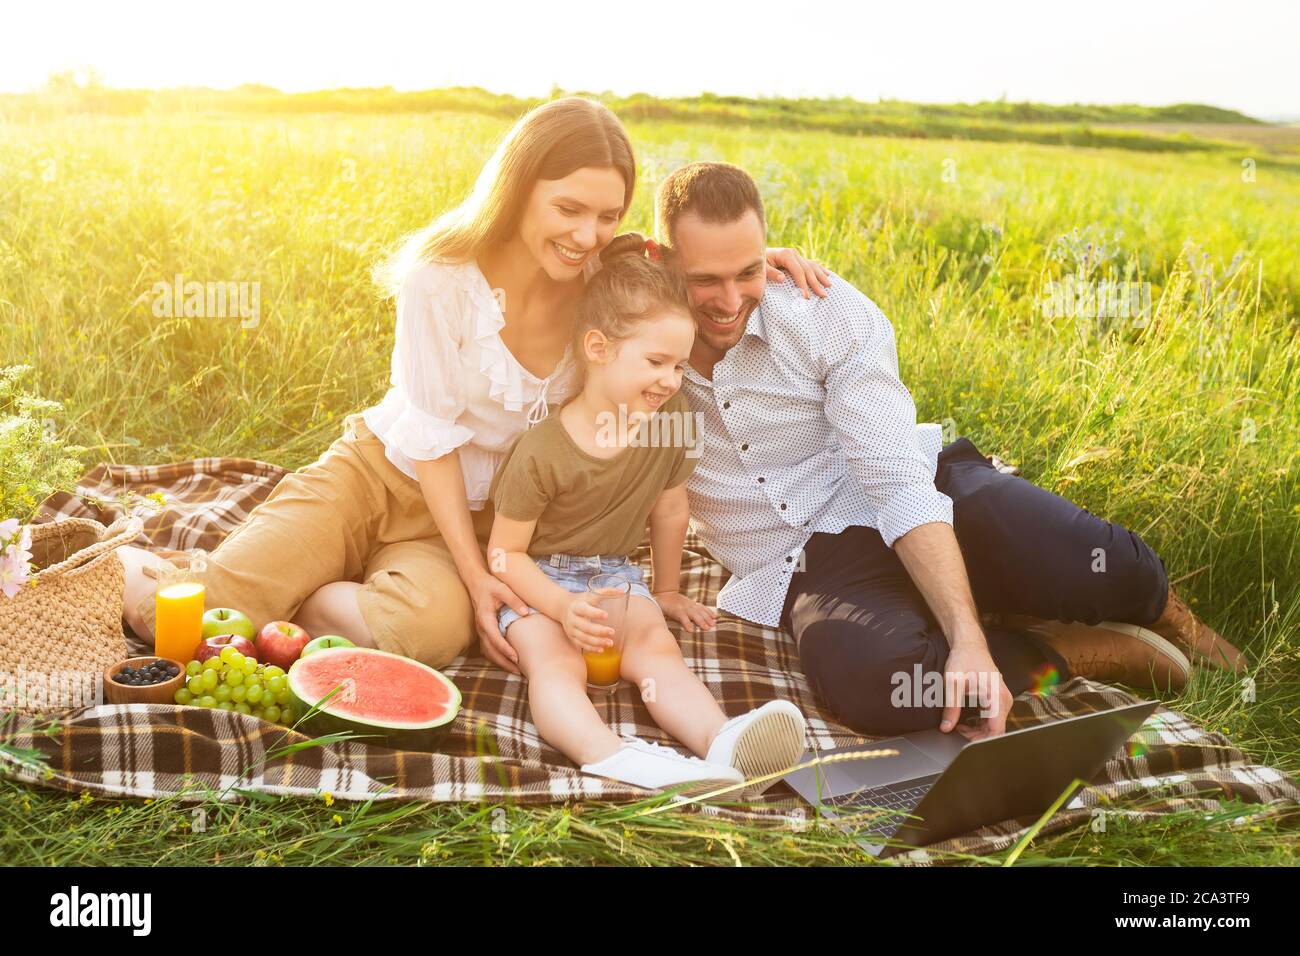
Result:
<point x="494" y="753"/>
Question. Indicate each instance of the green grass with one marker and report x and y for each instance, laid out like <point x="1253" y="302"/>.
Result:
<point x="1186" y="429"/>
<point x="37" y="829"/>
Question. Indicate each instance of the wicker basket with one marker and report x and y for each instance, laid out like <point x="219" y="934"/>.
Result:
<point x="58" y="635"/>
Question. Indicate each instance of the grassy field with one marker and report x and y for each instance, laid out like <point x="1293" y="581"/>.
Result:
<point x="1183" y="424"/>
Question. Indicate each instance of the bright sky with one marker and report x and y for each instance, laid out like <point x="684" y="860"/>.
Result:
<point x="1239" y="54"/>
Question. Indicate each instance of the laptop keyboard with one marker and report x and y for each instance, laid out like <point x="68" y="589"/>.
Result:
<point x="898" y="798"/>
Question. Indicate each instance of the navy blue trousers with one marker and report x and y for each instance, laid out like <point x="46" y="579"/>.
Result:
<point x="859" y="620"/>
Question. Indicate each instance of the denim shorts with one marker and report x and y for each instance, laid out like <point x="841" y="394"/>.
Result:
<point x="572" y="572"/>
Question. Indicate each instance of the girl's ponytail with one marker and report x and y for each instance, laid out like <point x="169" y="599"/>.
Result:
<point x="629" y="287"/>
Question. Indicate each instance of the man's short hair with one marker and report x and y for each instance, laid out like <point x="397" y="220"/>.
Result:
<point x="716" y="192"/>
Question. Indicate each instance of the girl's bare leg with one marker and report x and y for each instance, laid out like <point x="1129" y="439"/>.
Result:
<point x="676" y="698"/>
<point x="557" y="691"/>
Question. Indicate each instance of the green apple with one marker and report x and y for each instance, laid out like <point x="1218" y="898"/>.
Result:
<point x="225" y="620"/>
<point x="327" y="640"/>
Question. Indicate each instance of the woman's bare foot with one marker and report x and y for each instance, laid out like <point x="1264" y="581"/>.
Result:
<point x="137" y="596"/>
<point x="332" y="609"/>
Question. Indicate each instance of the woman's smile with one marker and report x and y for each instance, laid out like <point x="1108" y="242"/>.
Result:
<point x="569" y="255"/>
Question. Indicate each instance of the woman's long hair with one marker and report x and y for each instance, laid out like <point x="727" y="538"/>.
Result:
<point x="548" y="142"/>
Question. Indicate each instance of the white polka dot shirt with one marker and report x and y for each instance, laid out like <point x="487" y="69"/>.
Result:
<point x="806" y="428"/>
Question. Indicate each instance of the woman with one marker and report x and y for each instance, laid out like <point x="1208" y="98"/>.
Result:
<point x="383" y="539"/>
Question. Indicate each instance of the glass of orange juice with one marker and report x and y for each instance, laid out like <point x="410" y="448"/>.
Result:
<point x="178" y="608"/>
<point x="610" y="594"/>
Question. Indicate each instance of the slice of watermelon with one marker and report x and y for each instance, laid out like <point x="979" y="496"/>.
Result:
<point x="397" y="702"/>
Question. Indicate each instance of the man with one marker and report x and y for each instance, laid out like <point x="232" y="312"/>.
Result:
<point x="813" y="491"/>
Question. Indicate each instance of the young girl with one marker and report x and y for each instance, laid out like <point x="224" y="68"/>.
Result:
<point x="572" y="499"/>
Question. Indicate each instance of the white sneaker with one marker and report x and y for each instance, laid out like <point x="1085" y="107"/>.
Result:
<point x="649" y="765"/>
<point x="765" y="740"/>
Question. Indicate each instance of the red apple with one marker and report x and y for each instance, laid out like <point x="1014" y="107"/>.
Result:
<point x="211" y="647"/>
<point x="281" y="643"/>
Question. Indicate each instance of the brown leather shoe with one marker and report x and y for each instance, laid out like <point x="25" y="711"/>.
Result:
<point x="1110" y="652"/>
<point x="1178" y="625"/>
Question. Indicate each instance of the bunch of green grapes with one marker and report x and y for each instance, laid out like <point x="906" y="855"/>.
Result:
<point x="233" y="681"/>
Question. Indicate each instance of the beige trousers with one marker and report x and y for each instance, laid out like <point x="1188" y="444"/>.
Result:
<point x="351" y="516"/>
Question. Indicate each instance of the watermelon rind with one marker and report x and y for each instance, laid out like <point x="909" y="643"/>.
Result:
<point x="424" y="735"/>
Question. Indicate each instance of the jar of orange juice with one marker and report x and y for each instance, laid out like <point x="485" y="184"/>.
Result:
<point x="178" y="608"/>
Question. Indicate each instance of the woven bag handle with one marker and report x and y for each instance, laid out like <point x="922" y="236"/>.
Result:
<point x="122" y="531"/>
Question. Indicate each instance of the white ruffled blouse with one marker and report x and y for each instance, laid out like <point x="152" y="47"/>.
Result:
<point x="455" y="385"/>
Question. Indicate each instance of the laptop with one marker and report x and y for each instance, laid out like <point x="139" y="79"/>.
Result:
<point x="941" y="785"/>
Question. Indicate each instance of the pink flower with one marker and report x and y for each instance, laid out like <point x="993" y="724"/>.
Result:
<point x="13" y="572"/>
<point x="15" y="558"/>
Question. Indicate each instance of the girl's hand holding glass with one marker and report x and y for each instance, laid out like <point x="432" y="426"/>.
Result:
<point x="582" y="624"/>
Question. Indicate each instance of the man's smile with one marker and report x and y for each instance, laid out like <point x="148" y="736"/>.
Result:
<point x="722" y="321"/>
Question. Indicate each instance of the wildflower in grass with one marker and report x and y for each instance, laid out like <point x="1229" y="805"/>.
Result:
<point x="15" y="557"/>
<point x="327" y="797"/>
<point x="12" y="576"/>
<point x="338" y="820"/>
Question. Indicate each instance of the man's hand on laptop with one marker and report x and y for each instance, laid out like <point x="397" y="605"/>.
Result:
<point x="971" y="677"/>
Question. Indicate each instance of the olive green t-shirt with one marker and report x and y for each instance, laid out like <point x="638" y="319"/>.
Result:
<point x="587" y="505"/>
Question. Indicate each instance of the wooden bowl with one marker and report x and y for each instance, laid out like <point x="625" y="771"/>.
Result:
<point x="163" y="693"/>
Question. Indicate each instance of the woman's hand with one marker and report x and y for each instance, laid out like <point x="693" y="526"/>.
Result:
<point x="582" y="624"/>
<point x="807" y="274"/>
<point x="488" y="593"/>
<point x="691" y="615"/>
